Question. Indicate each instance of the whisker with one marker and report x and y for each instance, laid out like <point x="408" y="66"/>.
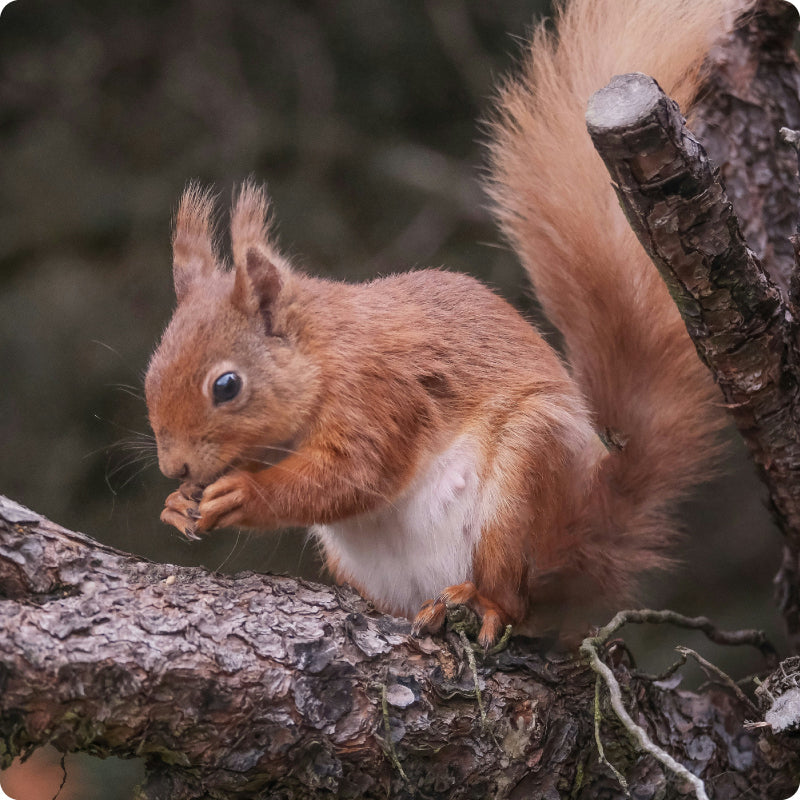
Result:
<point x="135" y="475"/>
<point x="277" y="538"/>
<point x="134" y="454"/>
<point x="282" y="449"/>
<point x="303" y="550"/>
<point x="122" y="427"/>
<point x="113" y="471"/>
<point x="140" y="373"/>
<point x="110" y="349"/>
<point x="259" y="491"/>
<point x="128" y="458"/>
<point x="111" y="489"/>
<point x="144" y="445"/>
<point x="232" y="550"/>
<point x="145" y="466"/>
<point x="125" y="389"/>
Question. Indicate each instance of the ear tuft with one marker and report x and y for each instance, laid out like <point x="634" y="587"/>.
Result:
<point x="193" y="252"/>
<point x="250" y="224"/>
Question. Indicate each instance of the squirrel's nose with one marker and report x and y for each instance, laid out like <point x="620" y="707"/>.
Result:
<point x="178" y="472"/>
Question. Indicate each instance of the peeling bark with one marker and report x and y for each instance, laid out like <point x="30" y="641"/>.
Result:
<point x="263" y="686"/>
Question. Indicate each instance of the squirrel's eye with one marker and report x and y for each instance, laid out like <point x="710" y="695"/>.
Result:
<point x="226" y="387"/>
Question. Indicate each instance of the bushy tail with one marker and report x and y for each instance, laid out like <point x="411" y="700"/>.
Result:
<point x="624" y="338"/>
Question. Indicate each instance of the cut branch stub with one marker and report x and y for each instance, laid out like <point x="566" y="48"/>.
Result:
<point x="682" y="216"/>
<point x="734" y="313"/>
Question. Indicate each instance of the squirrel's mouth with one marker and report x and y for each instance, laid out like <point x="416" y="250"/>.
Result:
<point x="193" y="489"/>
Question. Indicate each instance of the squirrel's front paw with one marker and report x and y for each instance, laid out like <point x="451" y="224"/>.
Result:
<point x="180" y="510"/>
<point x="224" y="502"/>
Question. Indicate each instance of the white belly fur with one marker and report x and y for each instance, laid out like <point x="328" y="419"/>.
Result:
<point x="404" y="554"/>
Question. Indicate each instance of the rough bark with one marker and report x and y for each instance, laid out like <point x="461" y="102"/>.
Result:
<point x="752" y="90"/>
<point x="261" y="686"/>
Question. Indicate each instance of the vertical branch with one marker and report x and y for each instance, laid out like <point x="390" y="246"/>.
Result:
<point x="752" y="89"/>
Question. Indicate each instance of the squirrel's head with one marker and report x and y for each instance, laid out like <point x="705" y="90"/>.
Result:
<point x="229" y="384"/>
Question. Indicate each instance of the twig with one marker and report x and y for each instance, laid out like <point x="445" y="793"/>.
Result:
<point x="792" y="138"/>
<point x="751" y="637"/>
<point x="590" y="648"/>
<point x="474" y="667"/>
<point x="389" y="743"/>
<point x="662" y="676"/>
<point x="63" y="765"/>
<point x="502" y="642"/>
<point x="598" y="717"/>
<point x="712" y="670"/>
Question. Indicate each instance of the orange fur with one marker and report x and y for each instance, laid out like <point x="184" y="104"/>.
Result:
<point x="438" y="445"/>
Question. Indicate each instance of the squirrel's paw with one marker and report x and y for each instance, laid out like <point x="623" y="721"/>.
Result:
<point x="224" y="502"/>
<point x="181" y="512"/>
<point x="432" y="615"/>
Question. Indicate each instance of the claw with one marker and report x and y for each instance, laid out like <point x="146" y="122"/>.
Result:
<point x="492" y="618"/>
<point x="430" y="618"/>
<point x="191" y="491"/>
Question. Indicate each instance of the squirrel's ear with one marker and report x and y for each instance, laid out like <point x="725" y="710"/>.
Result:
<point x="193" y="255"/>
<point x="257" y="283"/>
<point x="260" y="273"/>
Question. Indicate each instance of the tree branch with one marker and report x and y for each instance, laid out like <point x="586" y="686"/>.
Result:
<point x="235" y="686"/>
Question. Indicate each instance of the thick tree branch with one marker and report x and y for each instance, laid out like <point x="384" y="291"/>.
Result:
<point x="752" y="90"/>
<point x="235" y="686"/>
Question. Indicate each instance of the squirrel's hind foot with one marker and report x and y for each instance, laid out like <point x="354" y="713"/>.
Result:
<point x="494" y="620"/>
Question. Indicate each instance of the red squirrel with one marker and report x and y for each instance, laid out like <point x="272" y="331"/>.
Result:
<point x="439" y="449"/>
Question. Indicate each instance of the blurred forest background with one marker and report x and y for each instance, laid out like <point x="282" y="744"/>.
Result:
<point x="363" y="117"/>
